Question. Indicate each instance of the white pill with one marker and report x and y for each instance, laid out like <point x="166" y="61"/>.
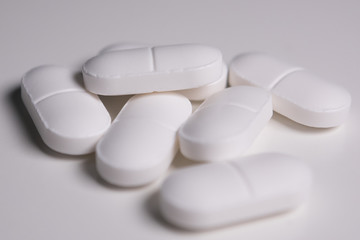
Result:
<point x="69" y="119"/>
<point x="225" y="124"/>
<point x="219" y="194"/>
<point x="142" y="140"/>
<point x="152" y="69"/>
<point x="195" y="94"/>
<point x="297" y="94"/>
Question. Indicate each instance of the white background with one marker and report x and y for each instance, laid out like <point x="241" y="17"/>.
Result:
<point x="45" y="195"/>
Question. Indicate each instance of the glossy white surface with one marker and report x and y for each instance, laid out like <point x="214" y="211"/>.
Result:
<point x="226" y="124"/>
<point x="69" y="119"/>
<point x="218" y="194"/>
<point x="45" y="195"/>
<point x="142" y="141"/>
<point x="152" y="69"/>
<point x="298" y="94"/>
<point x="195" y="94"/>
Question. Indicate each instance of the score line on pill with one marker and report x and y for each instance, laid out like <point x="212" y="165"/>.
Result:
<point x="194" y="94"/>
<point x="225" y="124"/>
<point x="69" y="119"/>
<point x="152" y="69"/>
<point x="223" y="193"/>
<point x="297" y="94"/>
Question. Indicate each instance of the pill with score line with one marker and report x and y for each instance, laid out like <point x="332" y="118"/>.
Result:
<point x="194" y="94"/>
<point x="225" y="124"/>
<point x="153" y="69"/>
<point x="142" y="141"/>
<point x="213" y="195"/>
<point x="297" y="94"/>
<point x="69" y="119"/>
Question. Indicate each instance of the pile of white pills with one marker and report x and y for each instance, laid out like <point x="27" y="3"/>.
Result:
<point x="140" y="144"/>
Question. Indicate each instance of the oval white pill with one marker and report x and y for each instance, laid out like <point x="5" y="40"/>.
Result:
<point x="69" y="119"/>
<point x="297" y="94"/>
<point x="142" y="141"/>
<point x="218" y="194"/>
<point x="151" y="69"/>
<point x="195" y="94"/>
<point x="225" y="124"/>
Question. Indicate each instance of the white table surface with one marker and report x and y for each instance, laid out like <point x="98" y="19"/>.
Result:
<point x="46" y="195"/>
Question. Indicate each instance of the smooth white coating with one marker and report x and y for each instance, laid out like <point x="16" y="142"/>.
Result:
<point x="225" y="124"/>
<point x="297" y="94"/>
<point x="69" y="119"/>
<point x="219" y="194"/>
<point x="142" y="140"/>
<point x="194" y="94"/>
<point x="153" y="69"/>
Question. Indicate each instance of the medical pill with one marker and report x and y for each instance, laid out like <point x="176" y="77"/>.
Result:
<point x="297" y="94"/>
<point x="153" y="69"/>
<point x="195" y="94"/>
<point x="69" y="119"/>
<point x="218" y="194"/>
<point x="225" y="124"/>
<point x="142" y="140"/>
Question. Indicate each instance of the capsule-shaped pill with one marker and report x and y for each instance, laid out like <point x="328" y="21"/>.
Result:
<point x="218" y="194"/>
<point x="152" y="69"/>
<point x="297" y="94"/>
<point x="142" y="140"/>
<point x="225" y="124"/>
<point x="69" y="119"/>
<point x="195" y="94"/>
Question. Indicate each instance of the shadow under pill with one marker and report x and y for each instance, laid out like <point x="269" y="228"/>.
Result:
<point x="14" y="97"/>
<point x="180" y="161"/>
<point x="79" y="79"/>
<point x="25" y="121"/>
<point x="151" y="207"/>
<point x="290" y="124"/>
<point x="114" y="104"/>
<point x="89" y="168"/>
